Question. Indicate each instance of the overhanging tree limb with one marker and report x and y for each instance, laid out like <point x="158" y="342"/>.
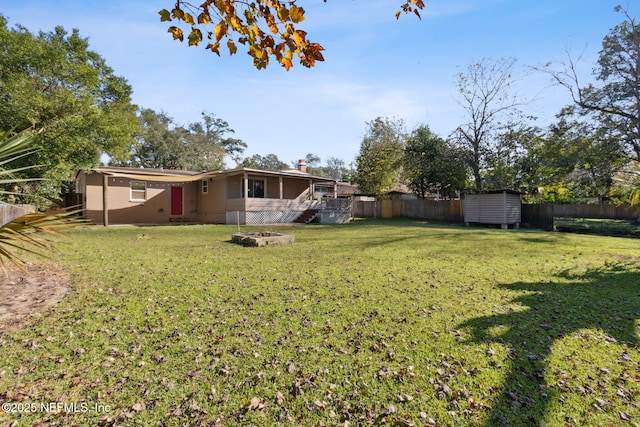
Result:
<point x="268" y="28"/>
<point x="615" y="102"/>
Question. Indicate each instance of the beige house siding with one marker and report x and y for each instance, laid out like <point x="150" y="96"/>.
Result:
<point x="272" y="187"/>
<point x="285" y="196"/>
<point x="212" y="206"/>
<point x="294" y="187"/>
<point x="91" y="190"/>
<point x="122" y="210"/>
<point x="234" y="186"/>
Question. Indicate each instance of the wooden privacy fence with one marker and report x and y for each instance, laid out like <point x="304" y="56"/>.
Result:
<point x="537" y="216"/>
<point x="533" y="215"/>
<point x="541" y="215"/>
<point x="445" y="210"/>
<point x="10" y="212"/>
<point x="597" y="211"/>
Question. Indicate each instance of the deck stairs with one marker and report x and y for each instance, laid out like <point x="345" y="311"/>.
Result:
<point x="307" y="216"/>
<point x="178" y="219"/>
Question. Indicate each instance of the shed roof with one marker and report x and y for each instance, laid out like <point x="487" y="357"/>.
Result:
<point x="494" y="192"/>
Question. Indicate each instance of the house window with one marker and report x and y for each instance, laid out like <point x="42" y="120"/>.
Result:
<point x="138" y="191"/>
<point x="205" y="186"/>
<point x="256" y="188"/>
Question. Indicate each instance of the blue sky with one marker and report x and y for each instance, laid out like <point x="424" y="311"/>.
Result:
<point x="374" y="65"/>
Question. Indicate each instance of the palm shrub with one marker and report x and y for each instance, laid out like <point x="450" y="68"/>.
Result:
<point x="33" y="232"/>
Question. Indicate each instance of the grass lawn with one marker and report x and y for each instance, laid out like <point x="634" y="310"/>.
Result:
<point x="391" y="322"/>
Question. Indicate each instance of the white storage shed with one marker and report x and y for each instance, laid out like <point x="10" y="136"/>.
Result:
<point x="501" y="207"/>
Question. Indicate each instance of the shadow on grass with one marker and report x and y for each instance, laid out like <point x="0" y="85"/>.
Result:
<point x="605" y="299"/>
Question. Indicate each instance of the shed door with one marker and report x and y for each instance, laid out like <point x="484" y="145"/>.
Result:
<point x="176" y="200"/>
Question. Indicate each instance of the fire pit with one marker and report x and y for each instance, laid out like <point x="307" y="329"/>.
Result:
<point x="261" y="238"/>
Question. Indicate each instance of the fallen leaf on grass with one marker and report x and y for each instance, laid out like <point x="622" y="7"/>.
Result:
<point x="291" y="368"/>
<point x="405" y="398"/>
<point x="255" y="404"/>
<point x="193" y="405"/>
<point x="138" y="407"/>
<point x="319" y="404"/>
<point x="624" y="416"/>
<point x="601" y="402"/>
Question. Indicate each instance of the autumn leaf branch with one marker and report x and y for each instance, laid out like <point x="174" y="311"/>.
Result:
<point x="266" y="27"/>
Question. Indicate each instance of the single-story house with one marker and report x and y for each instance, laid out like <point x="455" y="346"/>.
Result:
<point x="115" y="195"/>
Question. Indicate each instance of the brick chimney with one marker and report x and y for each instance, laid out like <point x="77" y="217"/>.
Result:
<point x="302" y="165"/>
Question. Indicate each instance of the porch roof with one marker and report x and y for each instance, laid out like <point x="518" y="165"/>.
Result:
<point x="170" y="175"/>
<point x="286" y="173"/>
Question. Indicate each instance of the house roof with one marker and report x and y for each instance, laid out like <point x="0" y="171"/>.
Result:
<point x="144" y="171"/>
<point x="170" y="175"/>
<point x="290" y="172"/>
<point x="148" y="174"/>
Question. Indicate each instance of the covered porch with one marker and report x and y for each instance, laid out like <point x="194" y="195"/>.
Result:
<point x="265" y="197"/>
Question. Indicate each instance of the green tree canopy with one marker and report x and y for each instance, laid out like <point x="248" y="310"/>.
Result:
<point x="516" y="161"/>
<point x="433" y="165"/>
<point x="312" y="159"/>
<point x="586" y="157"/>
<point x="379" y="163"/>
<point x="335" y="168"/>
<point x="626" y="185"/>
<point x="313" y="164"/>
<point x="485" y="95"/>
<point x="51" y="82"/>
<point x="614" y="100"/>
<point x="270" y="162"/>
<point x="200" y="146"/>
<point x="208" y="143"/>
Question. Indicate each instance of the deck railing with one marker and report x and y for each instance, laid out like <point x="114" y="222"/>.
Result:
<point x="259" y="204"/>
<point x="336" y="204"/>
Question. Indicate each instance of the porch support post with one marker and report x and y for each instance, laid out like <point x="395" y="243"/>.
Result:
<point x="246" y="191"/>
<point x="281" y="187"/>
<point x="310" y="189"/>
<point x="105" y="200"/>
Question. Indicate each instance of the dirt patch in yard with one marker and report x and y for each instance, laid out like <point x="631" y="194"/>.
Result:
<point x="26" y="295"/>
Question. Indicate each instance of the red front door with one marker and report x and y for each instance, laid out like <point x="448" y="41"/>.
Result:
<point x="176" y="200"/>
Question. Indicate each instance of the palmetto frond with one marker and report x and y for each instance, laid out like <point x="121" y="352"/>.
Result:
<point x="14" y="146"/>
<point x="35" y="231"/>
